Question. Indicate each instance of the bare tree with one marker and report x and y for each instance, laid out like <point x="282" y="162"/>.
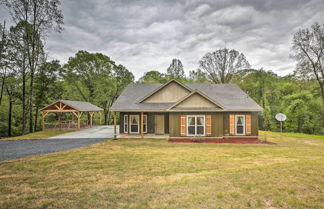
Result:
<point x="308" y="47"/>
<point x="42" y="16"/>
<point x="175" y="70"/>
<point x="222" y="64"/>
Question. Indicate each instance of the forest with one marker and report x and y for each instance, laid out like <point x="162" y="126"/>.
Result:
<point x="29" y="81"/>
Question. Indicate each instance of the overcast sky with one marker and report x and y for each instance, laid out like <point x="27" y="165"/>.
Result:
<point x="145" y="35"/>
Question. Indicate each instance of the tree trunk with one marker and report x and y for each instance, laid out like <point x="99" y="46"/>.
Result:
<point x="23" y="131"/>
<point x="2" y="85"/>
<point x="31" y="103"/>
<point x="105" y="115"/>
<point x="36" y="117"/>
<point x="9" y="113"/>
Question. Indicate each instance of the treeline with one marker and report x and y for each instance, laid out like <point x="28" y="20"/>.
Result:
<point x="29" y="81"/>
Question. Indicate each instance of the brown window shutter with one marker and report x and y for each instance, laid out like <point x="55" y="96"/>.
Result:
<point x="183" y="125"/>
<point x="248" y="124"/>
<point x="208" y="125"/>
<point x="232" y="124"/>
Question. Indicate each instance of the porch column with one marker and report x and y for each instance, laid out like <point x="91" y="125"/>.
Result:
<point x="100" y="117"/>
<point x="142" y="124"/>
<point x="115" y="126"/>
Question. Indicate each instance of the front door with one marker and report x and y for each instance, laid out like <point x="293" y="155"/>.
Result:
<point x="134" y="124"/>
<point x="159" y="124"/>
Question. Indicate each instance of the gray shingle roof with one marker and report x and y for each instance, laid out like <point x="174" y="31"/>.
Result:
<point x="79" y="105"/>
<point x="230" y="96"/>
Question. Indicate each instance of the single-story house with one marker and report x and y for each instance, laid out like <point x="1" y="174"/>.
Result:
<point x="178" y="110"/>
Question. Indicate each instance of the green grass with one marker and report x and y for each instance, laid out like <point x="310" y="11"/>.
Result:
<point x="305" y="135"/>
<point x="39" y="135"/>
<point x="152" y="173"/>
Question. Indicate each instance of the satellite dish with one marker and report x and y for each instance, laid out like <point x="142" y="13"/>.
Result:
<point x="281" y="117"/>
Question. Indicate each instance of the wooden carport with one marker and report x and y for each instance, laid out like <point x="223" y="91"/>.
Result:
<point x="77" y="108"/>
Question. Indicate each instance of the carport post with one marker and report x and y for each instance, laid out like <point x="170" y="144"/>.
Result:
<point x="91" y="116"/>
<point x="115" y="126"/>
<point x="79" y="122"/>
<point x="43" y="121"/>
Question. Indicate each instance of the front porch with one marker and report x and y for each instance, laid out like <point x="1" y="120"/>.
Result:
<point x="142" y="125"/>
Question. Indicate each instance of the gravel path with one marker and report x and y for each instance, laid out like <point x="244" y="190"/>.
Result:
<point x="12" y="149"/>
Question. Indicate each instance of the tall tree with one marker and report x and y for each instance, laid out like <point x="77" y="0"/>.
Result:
<point x="153" y="76"/>
<point x="308" y="47"/>
<point x="222" y="64"/>
<point x="43" y="16"/>
<point x="47" y="86"/>
<point x="3" y="64"/>
<point x="95" y="78"/>
<point x="175" y="70"/>
<point x="18" y="59"/>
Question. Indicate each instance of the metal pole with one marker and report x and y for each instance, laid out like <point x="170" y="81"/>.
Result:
<point x="280" y="130"/>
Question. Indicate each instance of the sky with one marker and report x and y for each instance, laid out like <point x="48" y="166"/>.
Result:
<point x="146" y="35"/>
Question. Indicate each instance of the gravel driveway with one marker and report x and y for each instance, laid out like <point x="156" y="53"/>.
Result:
<point x="11" y="149"/>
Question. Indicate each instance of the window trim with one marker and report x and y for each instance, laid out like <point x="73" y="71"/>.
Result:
<point x="204" y="125"/>
<point x="130" y="124"/>
<point x="235" y="123"/>
<point x="126" y="123"/>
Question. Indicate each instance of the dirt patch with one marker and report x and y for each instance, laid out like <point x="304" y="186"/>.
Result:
<point x="233" y="141"/>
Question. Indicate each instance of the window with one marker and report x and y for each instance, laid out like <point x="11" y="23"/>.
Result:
<point x="195" y="125"/>
<point x="145" y="123"/>
<point x="125" y="123"/>
<point x="240" y="124"/>
<point x="134" y="123"/>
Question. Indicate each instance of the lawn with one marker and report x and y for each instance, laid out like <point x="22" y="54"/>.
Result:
<point x="39" y="135"/>
<point x="152" y="173"/>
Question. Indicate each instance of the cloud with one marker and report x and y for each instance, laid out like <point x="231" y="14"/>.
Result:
<point x="144" y="35"/>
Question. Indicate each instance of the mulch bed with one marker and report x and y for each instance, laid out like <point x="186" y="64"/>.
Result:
<point x="233" y="141"/>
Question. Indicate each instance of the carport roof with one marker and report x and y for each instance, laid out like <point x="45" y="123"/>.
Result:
<point x="76" y="105"/>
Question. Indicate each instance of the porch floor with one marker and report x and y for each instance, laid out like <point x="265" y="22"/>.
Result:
<point x="147" y="136"/>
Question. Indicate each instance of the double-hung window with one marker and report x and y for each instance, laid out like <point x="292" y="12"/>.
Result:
<point x="134" y="124"/>
<point x="195" y="125"/>
<point x="240" y="124"/>
<point x="125" y="123"/>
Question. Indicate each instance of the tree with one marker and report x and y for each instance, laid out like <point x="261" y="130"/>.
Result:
<point x="3" y="50"/>
<point x="95" y="78"/>
<point x="222" y="64"/>
<point x="17" y="55"/>
<point x="308" y="47"/>
<point x="198" y="76"/>
<point x="175" y="70"/>
<point x="42" y="16"/>
<point x="47" y="86"/>
<point x="153" y="76"/>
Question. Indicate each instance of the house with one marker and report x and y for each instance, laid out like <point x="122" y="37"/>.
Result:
<point x="178" y="110"/>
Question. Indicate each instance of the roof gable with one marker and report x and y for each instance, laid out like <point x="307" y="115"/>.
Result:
<point x="194" y="100"/>
<point x="170" y="92"/>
